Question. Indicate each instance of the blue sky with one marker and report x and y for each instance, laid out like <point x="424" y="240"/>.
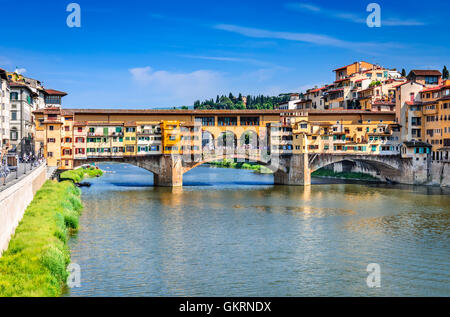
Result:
<point x="145" y="54"/>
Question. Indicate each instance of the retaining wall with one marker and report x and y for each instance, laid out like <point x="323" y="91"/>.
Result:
<point x="14" y="200"/>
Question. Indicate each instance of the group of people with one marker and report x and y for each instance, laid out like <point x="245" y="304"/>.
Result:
<point x="6" y="167"/>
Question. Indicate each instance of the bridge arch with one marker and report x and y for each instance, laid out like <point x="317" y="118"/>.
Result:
<point x="249" y="138"/>
<point x="241" y="157"/>
<point x="387" y="166"/>
<point x="226" y="139"/>
<point x="208" y="140"/>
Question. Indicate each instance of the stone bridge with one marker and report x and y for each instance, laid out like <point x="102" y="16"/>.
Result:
<point x="291" y="169"/>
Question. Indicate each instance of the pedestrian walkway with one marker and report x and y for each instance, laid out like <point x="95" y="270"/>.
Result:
<point x="14" y="176"/>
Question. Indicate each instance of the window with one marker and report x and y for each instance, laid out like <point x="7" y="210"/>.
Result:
<point x="208" y="121"/>
<point x="430" y="80"/>
<point x="222" y="121"/>
<point x="49" y="154"/>
<point x="54" y="100"/>
<point x="51" y="140"/>
<point x="14" y="134"/>
<point x="14" y="96"/>
<point x="13" y="115"/>
<point x="245" y="121"/>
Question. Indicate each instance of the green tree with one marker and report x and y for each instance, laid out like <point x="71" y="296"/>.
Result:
<point x="445" y="73"/>
<point x="403" y="72"/>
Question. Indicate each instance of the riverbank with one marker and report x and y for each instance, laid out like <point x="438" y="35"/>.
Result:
<point x="34" y="265"/>
<point x="325" y="173"/>
<point x="79" y="174"/>
<point x="248" y="166"/>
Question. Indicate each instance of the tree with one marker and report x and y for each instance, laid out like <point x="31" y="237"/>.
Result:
<point x="403" y="72"/>
<point x="445" y="73"/>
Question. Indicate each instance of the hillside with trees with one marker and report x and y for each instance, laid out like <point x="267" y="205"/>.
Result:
<point x="241" y="102"/>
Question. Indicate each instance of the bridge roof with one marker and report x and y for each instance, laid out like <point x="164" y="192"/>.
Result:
<point x="169" y="111"/>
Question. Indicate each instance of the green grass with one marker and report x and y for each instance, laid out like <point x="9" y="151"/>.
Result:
<point x="226" y="163"/>
<point x="79" y="174"/>
<point x="35" y="263"/>
<point x="347" y="175"/>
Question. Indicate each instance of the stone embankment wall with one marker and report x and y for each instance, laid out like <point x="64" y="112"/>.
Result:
<point x="14" y="200"/>
<point x="440" y="174"/>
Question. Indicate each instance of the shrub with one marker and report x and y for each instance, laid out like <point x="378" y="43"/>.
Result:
<point x="79" y="174"/>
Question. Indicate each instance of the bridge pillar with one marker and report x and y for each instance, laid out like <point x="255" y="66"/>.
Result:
<point x="170" y="172"/>
<point x="298" y="172"/>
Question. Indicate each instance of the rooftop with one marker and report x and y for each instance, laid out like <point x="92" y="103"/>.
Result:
<point x="417" y="144"/>
<point x="425" y="72"/>
<point x="52" y="92"/>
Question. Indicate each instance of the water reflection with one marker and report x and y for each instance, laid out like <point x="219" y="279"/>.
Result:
<point x="232" y="233"/>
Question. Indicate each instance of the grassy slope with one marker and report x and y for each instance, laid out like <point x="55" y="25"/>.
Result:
<point x="231" y="164"/>
<point x="348" y="175"/>
<point x="79" y="174"/>
<point x="36" y="260"/>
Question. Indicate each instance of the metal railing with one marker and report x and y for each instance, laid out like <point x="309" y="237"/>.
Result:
<point x="11" y="173"/>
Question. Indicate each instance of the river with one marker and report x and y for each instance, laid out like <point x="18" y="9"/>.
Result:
<point x="231" y="232"/>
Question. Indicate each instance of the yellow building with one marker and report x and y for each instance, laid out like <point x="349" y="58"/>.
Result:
<point x="130" y="139"/>
<point x="348" y="131"/>
<point x="435" y="119"/>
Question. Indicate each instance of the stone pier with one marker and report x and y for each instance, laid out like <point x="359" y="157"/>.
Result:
<point x="297" y="171"/>
<point x="170" y="173"/>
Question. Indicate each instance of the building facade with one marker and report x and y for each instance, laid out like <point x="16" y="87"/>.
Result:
<point x="4" y="112"/>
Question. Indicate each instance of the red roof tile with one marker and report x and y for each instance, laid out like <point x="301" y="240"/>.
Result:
<point x="53" y="92"/>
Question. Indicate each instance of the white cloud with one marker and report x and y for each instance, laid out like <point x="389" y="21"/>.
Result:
<point x="20" y="71"/>
<point x="174" y="88"/>
<point x="311" y="38"/>
<point x="232" y="59"/>
<point x="349" y="16"/>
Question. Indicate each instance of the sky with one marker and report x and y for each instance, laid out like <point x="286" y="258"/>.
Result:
<point x="155" y="54"/>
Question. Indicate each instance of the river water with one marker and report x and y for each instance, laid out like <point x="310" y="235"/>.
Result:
<point x="232" y="232"/>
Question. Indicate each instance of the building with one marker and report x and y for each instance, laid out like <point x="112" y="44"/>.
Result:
<point x="435" y="119"/>
<point x="407" y="111"/>
<point x="4" y="111"/>
<point x="425" y="77"/>
<point x="21" y="115"/>
<point x="291" y="103"/>
<point x="356" y="67"/>
<point x="346" y="132"/>
<point x="26" y="96"/>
